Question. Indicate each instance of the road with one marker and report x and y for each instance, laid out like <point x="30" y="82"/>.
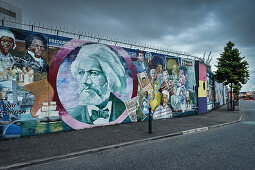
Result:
<point x="227" y="147"/>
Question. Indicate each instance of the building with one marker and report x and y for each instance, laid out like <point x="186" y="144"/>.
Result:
<point x="9" y="12"/>
<point x="247" y="95"/>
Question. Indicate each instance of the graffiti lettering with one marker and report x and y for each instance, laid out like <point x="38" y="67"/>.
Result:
<point x="16" y="112"/>
<point x="60" y="42"/>
<point x="8" y="106"/>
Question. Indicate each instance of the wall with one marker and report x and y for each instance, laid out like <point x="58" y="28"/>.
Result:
<point x="210" y="90"/>
<point x="51" y="83"/>
<point x="219" y="94"/>
<point x="202" y="89"/>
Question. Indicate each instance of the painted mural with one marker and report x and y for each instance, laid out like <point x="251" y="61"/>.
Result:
<point x="50" y="83"/>
<point x="219" y="94"/>
<point x="210" y="90"/>
<point x="202" y="89"/>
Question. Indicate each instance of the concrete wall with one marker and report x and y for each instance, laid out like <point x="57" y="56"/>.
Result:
<point x="10" y="13"/>
<point x="57" y="83"/>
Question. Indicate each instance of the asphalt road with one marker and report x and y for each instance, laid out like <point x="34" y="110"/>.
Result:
<point x="227" y="147"/>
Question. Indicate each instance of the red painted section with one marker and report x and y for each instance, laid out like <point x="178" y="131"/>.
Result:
<point x="202" y="72"/>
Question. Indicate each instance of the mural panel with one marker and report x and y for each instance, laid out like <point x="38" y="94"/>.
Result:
<point x="219" y="94"/>
<point x="202" y="91"/>
<point x="50" y="83"/>
<point x="210" y="90"/>
<point x="27" y="105"/>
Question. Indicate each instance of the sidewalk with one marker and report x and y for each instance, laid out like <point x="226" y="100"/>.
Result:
<point x="59" y="145"/>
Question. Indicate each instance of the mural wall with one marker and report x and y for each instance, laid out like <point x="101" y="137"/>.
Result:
<point x="210" y="90"/>
<point x="50" y="83"/>
<point x="219" y="94"/>
<point x="202" y="89"/>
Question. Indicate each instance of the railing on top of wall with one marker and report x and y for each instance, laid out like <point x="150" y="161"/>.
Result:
<point x="97" y="38"/>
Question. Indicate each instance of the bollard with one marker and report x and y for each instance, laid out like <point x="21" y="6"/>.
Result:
<point x="150" y="120"/>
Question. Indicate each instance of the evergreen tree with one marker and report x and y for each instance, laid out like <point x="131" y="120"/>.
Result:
<point x="232" y="69"/>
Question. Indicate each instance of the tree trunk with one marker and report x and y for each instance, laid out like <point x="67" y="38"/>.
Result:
<point x="231" y="100"/>
<point x="234" y="103"/>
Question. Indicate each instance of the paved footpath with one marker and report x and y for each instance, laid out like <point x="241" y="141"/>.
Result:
<point x="20" y="152"/>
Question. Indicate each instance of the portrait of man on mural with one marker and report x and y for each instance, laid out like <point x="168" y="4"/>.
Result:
<point x="99" y="73"/>
<point x="183" y="78"/>
<point x="163" y="110"/>
<point x="6" y="119"/>
<point x="154" y="80"/>
<point x="35" y="45"/>
<point x="7" y="43"/>
<point x="140" y="64"/>
<point x="176" y="100"/>
<point x="166" y="79"/>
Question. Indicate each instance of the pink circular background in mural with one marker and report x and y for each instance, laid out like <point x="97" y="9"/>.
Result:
<point x="65" y="86"/>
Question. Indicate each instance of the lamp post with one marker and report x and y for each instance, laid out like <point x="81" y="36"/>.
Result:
<point x="150" y="120"/>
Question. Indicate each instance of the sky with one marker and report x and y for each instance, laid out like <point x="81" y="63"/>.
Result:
<point x="195" y="27"/>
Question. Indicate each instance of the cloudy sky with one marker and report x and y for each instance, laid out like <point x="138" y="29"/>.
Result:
<point x="195" y="26"/>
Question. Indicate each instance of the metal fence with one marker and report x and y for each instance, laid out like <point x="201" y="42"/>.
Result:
<point x="97" y="38"/>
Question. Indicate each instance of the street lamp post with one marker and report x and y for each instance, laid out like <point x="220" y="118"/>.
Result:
<point x="150" y="120"/>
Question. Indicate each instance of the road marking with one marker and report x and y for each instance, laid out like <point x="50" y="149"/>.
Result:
<point x="202" y="129"/>
<point x="248" y="122"/>
<point x="247" y="109"/>
<point x="194" y="130"/>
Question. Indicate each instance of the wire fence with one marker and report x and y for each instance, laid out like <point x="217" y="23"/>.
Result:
<point x="97" y="38"/>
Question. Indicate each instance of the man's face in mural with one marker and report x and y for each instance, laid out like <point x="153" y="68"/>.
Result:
<point x="164" y="99"/>
<point x="182" y="77"/>
<point x="6" y="44"/>
<point x="37" y="47"/>
<point x="153" y="74"/>
<point x="93" y="86"/>
<point x="145" y="94"/>
<point x="174" y="68"/>
<point x="144" y="82"/>
<point x="165" y="75"/>
<point x="159" y="68"/>
<point x="3" y="94"/>
<point x="187" y="95"/>
<point x="140" y="57"/>
<point x="148" y="56"/>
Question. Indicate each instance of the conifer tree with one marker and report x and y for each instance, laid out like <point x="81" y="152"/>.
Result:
<point x="232" y="70"/>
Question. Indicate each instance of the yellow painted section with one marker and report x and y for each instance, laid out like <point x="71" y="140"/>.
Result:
<point x="202" y="89"/>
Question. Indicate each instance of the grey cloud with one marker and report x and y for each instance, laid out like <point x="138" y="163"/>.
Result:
<point x="196" y="26"/>
<point x="151" y="19"/>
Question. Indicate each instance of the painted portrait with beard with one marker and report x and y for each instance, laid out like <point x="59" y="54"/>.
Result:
<point x="99" y="73"/>
<point x="93" y="85"/>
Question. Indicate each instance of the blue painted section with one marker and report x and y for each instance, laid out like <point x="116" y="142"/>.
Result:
<point x="202" y="105"/>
